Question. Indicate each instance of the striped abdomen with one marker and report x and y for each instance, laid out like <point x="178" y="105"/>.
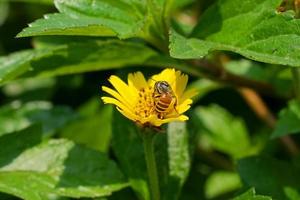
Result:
<point x="163" y="103"/>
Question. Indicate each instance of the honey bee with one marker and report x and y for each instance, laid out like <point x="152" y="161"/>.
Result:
<point x="164" y="98"/>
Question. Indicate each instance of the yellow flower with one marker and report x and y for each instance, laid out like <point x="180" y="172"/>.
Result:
<point x="135" y="99"/>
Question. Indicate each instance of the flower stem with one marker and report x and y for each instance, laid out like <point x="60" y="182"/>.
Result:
<point x="296" y="79"/>
<point x="148" y="140"/>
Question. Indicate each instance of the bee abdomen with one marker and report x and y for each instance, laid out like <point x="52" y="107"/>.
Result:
<point x="161" y="107"/>
<point x="162" y="104"/>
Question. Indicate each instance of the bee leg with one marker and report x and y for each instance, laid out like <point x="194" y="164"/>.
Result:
<point x="176" y="109"/>
<point x="175" y="104"/>
<point x="160" y="115"/>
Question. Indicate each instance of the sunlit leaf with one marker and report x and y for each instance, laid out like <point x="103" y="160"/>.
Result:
<point x="68" y="26"/>
<point x="80" y="17"/>
<point x="120" y="18"/>
<point x="57" y="167"/>
<point x="249" y="28"/>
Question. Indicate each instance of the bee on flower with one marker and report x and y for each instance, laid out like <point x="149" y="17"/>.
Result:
<point x="159" y="100"/>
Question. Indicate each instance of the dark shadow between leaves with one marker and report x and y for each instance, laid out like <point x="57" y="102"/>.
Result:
<point x="173" y="188"/>
<point x="4" y="196"/>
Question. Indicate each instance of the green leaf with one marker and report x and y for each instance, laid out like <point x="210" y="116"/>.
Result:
<point x="102" y="18"/>
<point x="61" y="171"/>
<point x="26" y="185"/>
<point x="291" y="193"/>
<point x="18" y="142"/>
<point x="289" y="119"/>
<point x="221" y="130"/>
<point x="81" y="17"/>
<point x="172" y="156"/>
<point x="249" y="28"/>
<point x="179" y="158"/>
<point x="15" y="64"/>
<point x="4" y="9"/>
<point x="215" y="186"/>
<point x="266" y="175"/>
<point x="121" y="18"/>
<point x="95" y="127"/>
<point x="181" y="3"/>
<point x="164" y="8"/>
<point x="68" y="26"/>
<point x="46" y="2"/>
<point x="129" y="151"/>
<point x="79" y="57"/>
<point x="16" y="116"/>
<point x="250" y="195"/>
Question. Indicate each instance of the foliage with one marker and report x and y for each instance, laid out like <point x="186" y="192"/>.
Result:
<point x="58" y="141"/>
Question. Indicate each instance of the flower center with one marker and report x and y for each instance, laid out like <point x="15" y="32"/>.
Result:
<point x="145" y="103"/>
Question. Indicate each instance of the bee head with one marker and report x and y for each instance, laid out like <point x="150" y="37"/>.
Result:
<point x="162" y="87"/>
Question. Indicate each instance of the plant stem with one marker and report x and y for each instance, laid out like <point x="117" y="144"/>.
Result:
<point x="296" y="79"/>
<point x="297" y="8"/>
<point x="218" y="73"/>
<point x="148" y="140"/>
<point x="264" y="113"/>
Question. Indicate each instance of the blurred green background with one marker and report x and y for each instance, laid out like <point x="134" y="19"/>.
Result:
<point x="66" y="104"/>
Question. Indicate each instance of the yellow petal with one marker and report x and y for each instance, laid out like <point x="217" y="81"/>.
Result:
<point x="180" y="109"/>
<point x="181" y="82"/>
<point x="149" y="119"/>
<point x="183" y="109"/>
<point x="123" y="89"/>
<point x="159" y="122"/>
<point x="166" y="75"/>
<point x="129" y="103"/>
<point x="118" y="96"/>
<point x="129" y="115"/>
<point x="184" y="106"/>
<point x="187" y="95"/>
<point x="137" y="80"/>
<point x="179" y="118"/>
<point x="110" y="100"/>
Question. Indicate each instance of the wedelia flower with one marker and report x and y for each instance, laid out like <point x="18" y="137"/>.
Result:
<point x="159" y="100"/>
